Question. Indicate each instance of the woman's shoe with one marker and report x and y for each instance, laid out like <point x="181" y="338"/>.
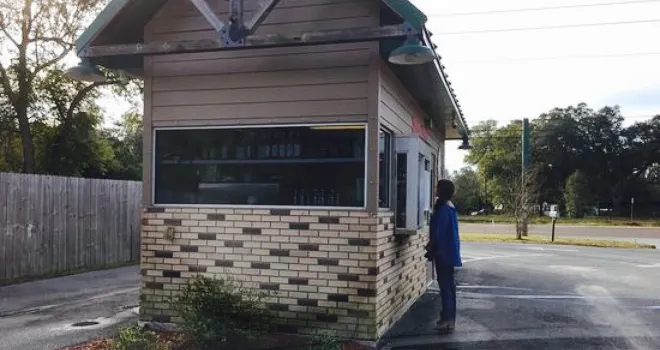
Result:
<point x="445" y="326"/>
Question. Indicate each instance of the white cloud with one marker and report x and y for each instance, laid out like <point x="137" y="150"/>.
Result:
<point x="493" y="78"/>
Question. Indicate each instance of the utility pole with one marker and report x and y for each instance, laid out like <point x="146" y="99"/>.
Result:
<point x="526" y="158"/>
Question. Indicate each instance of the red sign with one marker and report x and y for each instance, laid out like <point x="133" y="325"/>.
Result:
<point x="420" y="129"/>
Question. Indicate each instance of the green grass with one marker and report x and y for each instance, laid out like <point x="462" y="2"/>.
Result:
<point x="53" y="274"/>
<point x="590" y="221"/>
<point x="511" y="238"/>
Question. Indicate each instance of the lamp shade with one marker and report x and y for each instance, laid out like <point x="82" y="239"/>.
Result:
<point x="465" y="145"/>
<point x="412" y="52"/>
<point x="85" y="71"/>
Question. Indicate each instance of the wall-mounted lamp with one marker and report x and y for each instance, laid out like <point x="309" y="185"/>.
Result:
<point x="465" y="145"/>
<point x="86" y="71"/>
<point x="412" y="52"/>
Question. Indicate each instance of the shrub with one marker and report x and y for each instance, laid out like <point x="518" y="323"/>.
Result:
<point x="322" y="341"/>
<point x="221" y="314"/>
<point x="136" y="338"/>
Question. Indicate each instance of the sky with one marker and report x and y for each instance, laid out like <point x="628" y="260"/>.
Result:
<point x="512" y="74"/>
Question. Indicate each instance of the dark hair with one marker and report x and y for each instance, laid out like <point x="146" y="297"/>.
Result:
<point x="445" y="191"/>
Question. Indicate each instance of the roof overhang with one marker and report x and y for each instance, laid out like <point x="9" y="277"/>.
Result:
<point x="122" y="22"/>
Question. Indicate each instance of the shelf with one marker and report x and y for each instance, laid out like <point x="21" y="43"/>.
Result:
<point x="263" y="161"/>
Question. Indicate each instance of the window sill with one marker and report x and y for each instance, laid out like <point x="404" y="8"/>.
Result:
<point x="404" y="232"/>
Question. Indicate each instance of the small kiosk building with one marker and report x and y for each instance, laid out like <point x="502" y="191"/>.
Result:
<point x="291" y="144"/>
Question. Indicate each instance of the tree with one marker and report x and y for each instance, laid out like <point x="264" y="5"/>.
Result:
<point x="467" y="196"/>
<point x="520" y="193"/>
<point x="126" y="141"/>
<point x="36" y="35"/>
<point x="577" y="194"/>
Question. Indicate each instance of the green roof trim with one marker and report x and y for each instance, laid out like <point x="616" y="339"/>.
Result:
<point x="408" y="12"/>
<point x="100" y="22"/>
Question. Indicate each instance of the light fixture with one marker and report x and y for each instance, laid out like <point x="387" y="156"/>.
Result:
<point x="412" y="52"/>
<point x="465" y="145"/>
<point x="86" y="71"/>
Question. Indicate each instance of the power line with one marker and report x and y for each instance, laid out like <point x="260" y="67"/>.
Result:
<point x="546" y="8"/>
<point x="549" y="58"/>
<point x="564" y="26"/>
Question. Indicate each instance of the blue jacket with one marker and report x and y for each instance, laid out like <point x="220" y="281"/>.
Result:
<point x="444" y="235"/>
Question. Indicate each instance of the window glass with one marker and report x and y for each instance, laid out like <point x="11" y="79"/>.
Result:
<point x="322" y="166"/>
<point x="384" y="168"/>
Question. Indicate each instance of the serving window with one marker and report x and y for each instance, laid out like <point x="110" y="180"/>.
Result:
<point x="287" y="166"/>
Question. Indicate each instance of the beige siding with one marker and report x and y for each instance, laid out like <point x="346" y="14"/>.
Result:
<point x="281" y="85"/>
<point x="398" y="108"/>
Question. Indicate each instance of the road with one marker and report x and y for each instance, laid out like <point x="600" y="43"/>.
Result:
<point x="40" y="315"/>
<point x="650" y="235"/>
<point x="522" y="297"/>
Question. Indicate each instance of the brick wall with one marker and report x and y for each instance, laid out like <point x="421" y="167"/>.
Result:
<point x="402" y="272"/>
<point x="322" y="266"/>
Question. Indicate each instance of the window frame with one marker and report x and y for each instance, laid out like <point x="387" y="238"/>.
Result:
<point x="391" y="163"/>
<point x="152" y="186"/>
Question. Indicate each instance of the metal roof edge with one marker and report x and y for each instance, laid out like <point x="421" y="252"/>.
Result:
<point x="100" y="23"/>
<point x="408" y="12"/>
<point x="427" y="41"/>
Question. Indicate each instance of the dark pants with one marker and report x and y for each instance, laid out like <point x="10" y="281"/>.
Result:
<point x="447" y="285"/>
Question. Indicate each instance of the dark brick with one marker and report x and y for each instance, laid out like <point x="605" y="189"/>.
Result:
<point x="143" y="297"/>
<point x="279" y="252"/>
<point x="161" y="319"/>
<point x="389" y="290"/>
<point x="286" y="328"/>
<point x="327" y="318"/>
<point x="234" y="244"/>
<point x="382" y="255"/>
<point x="280" y="212"/>
<point x="143" y="272"/>
<point x="338" y="297"/>
<point x="163" y="254"/>
<point x="350" y="278"/>
<point x="309" y="247"/>
<point x="197" y="268"/>
<point x="172" y="274"/>
<point x="359" y="241"/>
<point x="387" y="278"/>
<point x="392" y="263"/>
<point x="206" y="236"/>
<point x="216" y="217"/>
<point x="358" y="313"/>
<point x="328" y="262"/>
<point x="373" y="271"/>
<point x="224" y="263"/>
<point x="398" y="255"/>
<point x="153" y="285"/>
<point x="299" y="226"/>
<point x="145" y="221"/>
<point x="260" y="265"/>
<point x="366" y="292"/>
<point x="155" y="210"/>
<point x="278" y="307"/>
<point x="189" y="249"/>
<point x="308" y="302"/>
<point x="329" y="220"/>
<point x="269" y="286"/>
<point x="172" y="222"/>
<point x="299" y="281"/>
<point x="252" y="231"/>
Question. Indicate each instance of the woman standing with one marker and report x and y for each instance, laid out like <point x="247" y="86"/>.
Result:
<point x="444" y="249"/>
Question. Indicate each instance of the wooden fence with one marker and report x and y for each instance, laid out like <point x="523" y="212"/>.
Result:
<point x="50" y="224"/>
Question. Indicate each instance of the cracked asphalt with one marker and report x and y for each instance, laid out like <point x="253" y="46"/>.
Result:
<point x="39" y="315"/>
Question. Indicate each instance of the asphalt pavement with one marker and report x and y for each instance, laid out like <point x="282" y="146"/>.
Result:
<point x="519" y="297"/>
<point x="41" y="315"/>
<point x="649" y="235"/>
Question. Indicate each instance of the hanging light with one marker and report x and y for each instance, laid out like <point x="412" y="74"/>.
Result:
<point x="86" y="71"/>
<point x="465" y="145"/>
<point x="412" y="52"/>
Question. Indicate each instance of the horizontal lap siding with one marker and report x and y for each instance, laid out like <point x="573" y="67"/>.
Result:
<point x="326" y="83"/>
<point x="398" y="107"/>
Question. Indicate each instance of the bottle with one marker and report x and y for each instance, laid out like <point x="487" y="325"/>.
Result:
<point x="282" y="144"/>
<point x="274" y="148"/>
<point x="296" y="144"/>
<point x="295" y="197"/>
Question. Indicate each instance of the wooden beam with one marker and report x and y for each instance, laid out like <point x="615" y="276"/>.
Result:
<point x="208" y="13"/>
<point x="264" y="9"/>
<point x="252" y="42"/>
